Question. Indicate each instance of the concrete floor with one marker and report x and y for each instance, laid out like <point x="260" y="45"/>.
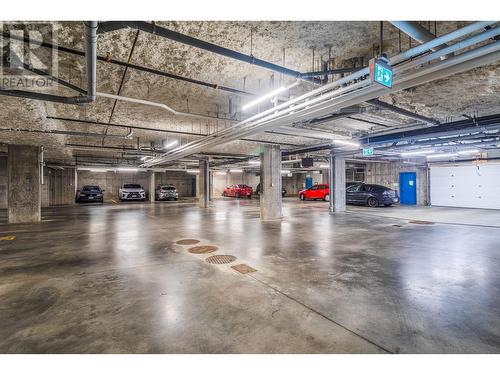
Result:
<point x="444" y="215"/>
<point x="110" y="279"/>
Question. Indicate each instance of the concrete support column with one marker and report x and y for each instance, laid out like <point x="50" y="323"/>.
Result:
<point x="24" y="197"/>
<point x="204" y="184"/>
<point x="152" y="186"/>
<point x="339" y="184"/>
<point x="271" y="207"/>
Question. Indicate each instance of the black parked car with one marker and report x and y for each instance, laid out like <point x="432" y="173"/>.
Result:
<point x="89" y="193"/>
<point x="371" y="195"/>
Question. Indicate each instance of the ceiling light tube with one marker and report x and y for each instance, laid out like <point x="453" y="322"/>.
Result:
<point x="269" y="95"/>
<point x="346" y="143"/>
<point x="435" y="156"/>
<point x="468" y="152"/>
<point x="170" y="144"/>
<point x="236" y="170"/>
<point x="221" y="172"/>
<point x="128" y="170"/>
<point x="254" y="162"/>
<point x="285" y="171"/>
<point x="192" y="171"/>
<point x="411" y="153"/>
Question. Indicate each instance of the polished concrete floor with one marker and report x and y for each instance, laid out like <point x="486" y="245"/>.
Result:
<point x="110" y="279"/>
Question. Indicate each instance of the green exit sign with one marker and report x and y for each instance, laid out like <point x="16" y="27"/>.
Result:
<point x="381" y="72"/>
<point x="368" y="151"/>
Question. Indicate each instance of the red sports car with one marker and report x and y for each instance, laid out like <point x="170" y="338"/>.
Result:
<point x="238" y="191"/>
<point x="316" y="192"/>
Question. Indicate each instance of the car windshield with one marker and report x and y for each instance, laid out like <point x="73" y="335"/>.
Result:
<point x="243" y="186"/>
<point x="91" y="188"/>
<point x="168" y="187"/>
<point x="132" y="186"/>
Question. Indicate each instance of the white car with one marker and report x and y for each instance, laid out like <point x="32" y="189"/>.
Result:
<point x="130" y="192"/>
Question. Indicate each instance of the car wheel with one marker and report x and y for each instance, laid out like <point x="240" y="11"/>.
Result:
<point x="237" y="195"/>
<point x="302" y="197"/>
<point x="224" y="194"/>
<point x="372" y="202"/>
<point x="327" y="198"/>
<point x="249" y="197"/>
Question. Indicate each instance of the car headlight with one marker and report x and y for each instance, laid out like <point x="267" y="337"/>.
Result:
<point x="81" y="194"/>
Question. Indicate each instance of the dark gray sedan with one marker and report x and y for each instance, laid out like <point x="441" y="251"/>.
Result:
<point x="371" y="195"/>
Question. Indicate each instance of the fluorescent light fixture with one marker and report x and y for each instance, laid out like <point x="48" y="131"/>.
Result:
<point x="254" y="162"/>
<point x="346" y="143"/>
<point x="323" y="165"/>
<point x="144" y="158"/>
<point x="269" y="95"/>
<point x="436" y="156"/>
<point x="127" y="169"/>
<point x="97" y="170"/>
<point x="192" y="170"/>
<point x="236" y="170"/>
<point x="468" y="152"/>
<point x="422" y="152"/>
<point x="221" y="172"/>
<point x="285" y="171"/>
<point x="170" y="144"/>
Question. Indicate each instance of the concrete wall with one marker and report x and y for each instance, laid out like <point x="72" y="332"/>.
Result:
<point x="387" y="174"/>
<point x="181" y="180"/>
<point x="111" y="181"/>
<point x="3" y="182"/>
<point x="220" y="181"/>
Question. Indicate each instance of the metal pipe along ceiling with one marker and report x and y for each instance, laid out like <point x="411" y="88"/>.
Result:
<point x="91" y="62"/>
<point x="108" y="60"/>
<point x="417" y="32"/>
<point x="325" y="99"/>
<point x="188" y="40"/>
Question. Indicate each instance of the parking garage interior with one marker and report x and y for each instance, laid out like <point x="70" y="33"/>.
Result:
<point x="397" y="253"/>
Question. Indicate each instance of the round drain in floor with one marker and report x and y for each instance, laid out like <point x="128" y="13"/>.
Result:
<point x="202" y="249"/>
<point x="220" y="259"/>
<point x="187" y="241"/>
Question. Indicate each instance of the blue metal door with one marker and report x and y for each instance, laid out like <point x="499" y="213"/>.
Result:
<point x="408" y="187"/>
<point x="309" y="182"/>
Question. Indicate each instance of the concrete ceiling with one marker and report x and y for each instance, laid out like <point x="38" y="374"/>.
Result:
<point x="475" y="91"/>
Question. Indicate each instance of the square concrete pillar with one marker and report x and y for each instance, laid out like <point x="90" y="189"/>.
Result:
<point x="336" y="175"/>
<point x="204" y="184"/>
<point x="24" y="191"/>
<point x="271" y="206"/>
<point x="152" y="186"/>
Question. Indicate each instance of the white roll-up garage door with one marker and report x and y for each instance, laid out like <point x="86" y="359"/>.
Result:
<point x="466" y="186"/>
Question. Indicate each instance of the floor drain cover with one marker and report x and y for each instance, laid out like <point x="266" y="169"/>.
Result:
<point x="397" y="225"/>
<point x="187" y="241"/>
<point x="243" y="268"/>
<point x="202" y="249"/>
<point x="420" y="222"/>
<point x="221" y="259"/>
